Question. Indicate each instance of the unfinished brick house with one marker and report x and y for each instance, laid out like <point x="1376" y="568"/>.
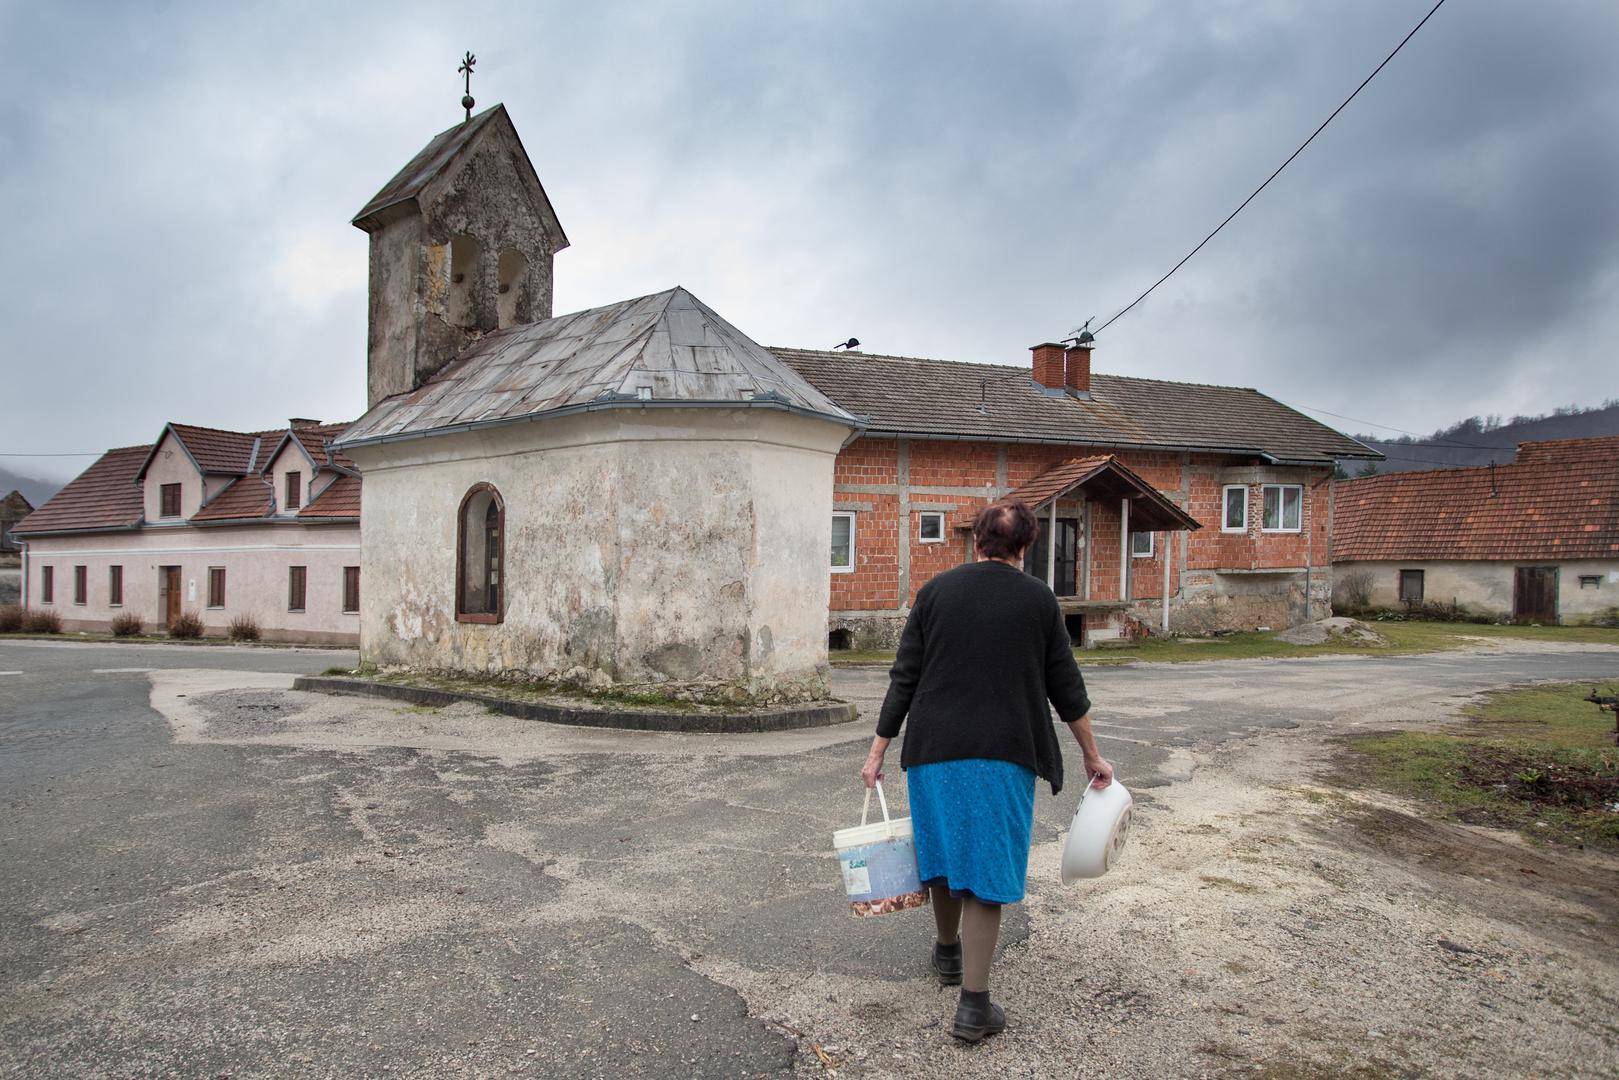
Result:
<point x="1176" y="507"/>
<point x="1536" y="541"/>
<point x="218" y="524"/>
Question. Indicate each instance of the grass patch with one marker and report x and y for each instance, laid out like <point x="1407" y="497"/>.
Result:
<point x="1404" y="639"/>
<point x="1537" y="759"/>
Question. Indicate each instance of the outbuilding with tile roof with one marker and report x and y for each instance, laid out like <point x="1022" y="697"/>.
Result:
<point x="1533" y="541"/>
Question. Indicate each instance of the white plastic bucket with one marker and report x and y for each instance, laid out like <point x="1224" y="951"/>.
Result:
<point x="879" y="863"/>
<point x="1097" y="835"/>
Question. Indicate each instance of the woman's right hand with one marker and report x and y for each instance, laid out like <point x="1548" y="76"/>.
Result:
<point x="871" y="773"/>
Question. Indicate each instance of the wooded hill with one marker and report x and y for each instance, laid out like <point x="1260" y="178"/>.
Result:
<point x="1479" y="440"/>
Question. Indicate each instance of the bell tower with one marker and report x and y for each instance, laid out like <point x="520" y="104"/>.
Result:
<point x="462" y="242"/>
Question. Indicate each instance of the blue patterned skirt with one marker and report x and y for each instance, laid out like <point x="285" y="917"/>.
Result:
<point x="973" y="820"/>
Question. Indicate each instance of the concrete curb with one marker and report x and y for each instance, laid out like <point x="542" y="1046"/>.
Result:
<point x="782" y="718"/>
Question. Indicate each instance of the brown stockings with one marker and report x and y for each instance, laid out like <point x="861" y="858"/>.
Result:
<point x="978" y="925"/>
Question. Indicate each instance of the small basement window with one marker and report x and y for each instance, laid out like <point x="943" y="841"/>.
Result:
<point x="840" y="640"/>
<point x="930" y="529"/>
<point x="1141" y="545"/>
<point x="1590" y="581"/>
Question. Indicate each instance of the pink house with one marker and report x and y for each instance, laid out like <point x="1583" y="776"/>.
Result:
<point x="220" y="524"/>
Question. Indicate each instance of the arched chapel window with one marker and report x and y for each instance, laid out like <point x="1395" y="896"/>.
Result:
<point x="480" y="551"/>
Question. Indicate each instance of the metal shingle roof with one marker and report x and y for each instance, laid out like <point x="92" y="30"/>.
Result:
<point x="670" y="346"/>
<point x="910" y="395"/>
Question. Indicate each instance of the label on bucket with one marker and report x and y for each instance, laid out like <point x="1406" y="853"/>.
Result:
<point x="880" y="870"/>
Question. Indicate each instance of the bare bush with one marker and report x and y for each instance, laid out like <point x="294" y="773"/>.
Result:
<point x="244" y="628"/>
<point x="1353" y="593"/>
<point x="11" y="619"/>
<point x="127" y="625"/>
<point x="42" y="621"/>
<point x="186" y="626"/>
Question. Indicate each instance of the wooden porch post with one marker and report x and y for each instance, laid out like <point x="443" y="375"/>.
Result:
<point x="1169" y="547"/>
<point x="1124" y="551"/>
<point x="1051" y="547"/>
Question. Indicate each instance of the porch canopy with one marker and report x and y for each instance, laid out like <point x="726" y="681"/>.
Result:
<point x="1102" y="479"/>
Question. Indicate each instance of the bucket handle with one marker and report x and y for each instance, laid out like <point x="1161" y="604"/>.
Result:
<point x="882" y="801"/>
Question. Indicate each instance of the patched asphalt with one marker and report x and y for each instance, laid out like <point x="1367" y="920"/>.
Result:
<point x="562" y="907"/>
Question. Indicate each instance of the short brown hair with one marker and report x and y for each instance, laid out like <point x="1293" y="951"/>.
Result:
<point x="1003" y="529"/>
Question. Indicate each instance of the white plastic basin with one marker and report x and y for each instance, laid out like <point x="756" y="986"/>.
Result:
<point x="1098" y="832"/>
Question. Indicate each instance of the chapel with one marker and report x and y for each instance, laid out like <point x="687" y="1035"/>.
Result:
<point x="632" y="496"/>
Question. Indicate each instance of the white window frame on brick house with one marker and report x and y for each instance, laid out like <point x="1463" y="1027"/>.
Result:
<point x="847" y="515"/>
<point x="1225" y="509"/>
<point x="1281" y="507"/>
<point x="922" y="537"/>
<point x="1135" y="545"/>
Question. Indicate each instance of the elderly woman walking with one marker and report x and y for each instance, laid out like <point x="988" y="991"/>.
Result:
<point x="982" y="653"/>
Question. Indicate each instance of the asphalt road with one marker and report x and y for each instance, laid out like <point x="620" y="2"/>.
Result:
<point x="459" y="894"/>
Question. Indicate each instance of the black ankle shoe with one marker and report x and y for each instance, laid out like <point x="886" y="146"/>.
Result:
<point x="975" y="1020"/>
<point x="947" y="962"/>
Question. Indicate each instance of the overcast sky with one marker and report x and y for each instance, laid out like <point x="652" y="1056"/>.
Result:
<point x="959" y="181"/>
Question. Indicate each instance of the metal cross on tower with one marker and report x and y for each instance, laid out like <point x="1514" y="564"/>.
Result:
<point x="466" y="69"/>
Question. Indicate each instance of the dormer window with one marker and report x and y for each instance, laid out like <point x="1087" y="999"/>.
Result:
<point x="169" y="501"/>
<point x="295" y="491"/>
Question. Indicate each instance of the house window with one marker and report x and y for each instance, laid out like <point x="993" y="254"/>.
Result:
<point x="297" y="579"/>
<point x="1141" y="545"/>
<point x="930" y="530"/>
<point x="1284" y="508"/>
<point x="843" y="542"/>
<point x="115" y="586"/>
<point x="169" y="499"/>
<point x="1234" y="516"/>
<point x="480" y="588"/>
<point x="47" y="584"/>
<point x="81" y="584"/>
<point x="1590" y="581"/>
<point x="295" y="491"/>
<point x="216" y="587"/>
<point x="1411" y="586"/>
<point x="351" y="588"/>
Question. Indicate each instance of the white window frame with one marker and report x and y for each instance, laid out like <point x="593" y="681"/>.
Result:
<point x="849" y="514"/>
<point x="922" y="516"/>
<point x="1151" y="540"/>
<point x="1281" y="508"/>
<point x="1226" y="526"/>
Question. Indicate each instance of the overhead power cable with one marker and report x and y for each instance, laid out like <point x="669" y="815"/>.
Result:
<point x="1278" y="171"/>
<point x="98" y="453"/>
<point x="1415" y="435"/>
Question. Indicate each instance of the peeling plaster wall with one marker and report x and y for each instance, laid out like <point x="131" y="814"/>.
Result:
<point x="665" y="548"/>
<point x="1485" y="588"/>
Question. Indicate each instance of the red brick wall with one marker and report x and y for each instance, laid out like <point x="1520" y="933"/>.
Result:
<point x="1194" y="481"/>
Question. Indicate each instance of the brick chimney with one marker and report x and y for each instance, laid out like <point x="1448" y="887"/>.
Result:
<point x="302" y="422"/>
<point x="1048" y="365"/>
<point x="1077" y="365"/>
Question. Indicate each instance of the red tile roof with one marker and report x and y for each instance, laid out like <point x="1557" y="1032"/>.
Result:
<point x="1567" y="450"/>
<point x="249" y="497"/>
<point x="1558" y="501"/>
<point x="1099" y="477"/>
<point x="340" y="500"/>
<point x="104" y="496"/>
<point x="234" y="453"/>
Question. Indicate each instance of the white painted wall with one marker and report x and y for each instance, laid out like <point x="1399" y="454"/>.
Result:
<point x="1486" y="587"/>
<point x="673" y="547"/>
<point x="256" y="561"/>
